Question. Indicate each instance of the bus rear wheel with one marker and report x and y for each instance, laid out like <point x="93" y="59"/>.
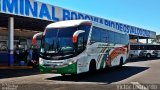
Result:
<point x="92" y="66"/>
<point x="121" y="62"/>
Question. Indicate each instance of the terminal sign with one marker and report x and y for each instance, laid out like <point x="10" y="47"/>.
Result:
<point x="70" y="15"/>
<point x="29" y="8"/>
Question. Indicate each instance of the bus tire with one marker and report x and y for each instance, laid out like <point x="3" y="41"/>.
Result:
<point x="121" y="62"/>
<point x="148" y="55"/>
<point x="92" y="66"/>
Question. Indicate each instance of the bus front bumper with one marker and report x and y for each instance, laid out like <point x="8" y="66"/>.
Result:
<point x="68" y="69"/>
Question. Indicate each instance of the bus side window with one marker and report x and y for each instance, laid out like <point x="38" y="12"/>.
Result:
<point x="95" y="37"/>
<point x="104" y="36"/>
<point x="111" y="37"/>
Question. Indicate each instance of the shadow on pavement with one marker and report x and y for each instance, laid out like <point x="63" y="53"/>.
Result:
<point x="104" y="76"/>
<point x="141" y="59"/>
<point x="10" y="73"/>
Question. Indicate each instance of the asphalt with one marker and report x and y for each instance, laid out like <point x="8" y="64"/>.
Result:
<point x="138" y="74"/>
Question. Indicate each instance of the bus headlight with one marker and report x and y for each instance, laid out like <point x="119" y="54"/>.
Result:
<point x="41" y="61"/>
<point x="71" y="61"/>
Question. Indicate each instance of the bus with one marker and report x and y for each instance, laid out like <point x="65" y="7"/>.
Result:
<point x="78" y="46"/>
<point x="144" y="50"/>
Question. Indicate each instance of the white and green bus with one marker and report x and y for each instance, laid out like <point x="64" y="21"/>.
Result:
<point x="77" y="46"/>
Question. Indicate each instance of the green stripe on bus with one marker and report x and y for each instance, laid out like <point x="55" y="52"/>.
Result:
<point x="103" y="59"/>
<point x="70" y="69"/>
<point x="100" y="56"/>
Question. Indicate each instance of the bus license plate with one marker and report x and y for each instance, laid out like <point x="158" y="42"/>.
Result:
<point x="54" y="71"/>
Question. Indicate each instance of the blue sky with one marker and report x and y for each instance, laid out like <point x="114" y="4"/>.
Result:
<point x="140" y="13"/>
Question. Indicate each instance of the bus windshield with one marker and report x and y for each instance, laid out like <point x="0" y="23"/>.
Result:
<point x="58" y="41"/>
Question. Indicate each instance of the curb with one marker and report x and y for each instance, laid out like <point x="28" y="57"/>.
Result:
<point x="15" y="67"/>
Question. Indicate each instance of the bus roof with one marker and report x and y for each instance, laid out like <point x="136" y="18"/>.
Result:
<point x="68" y="23"/>
<point x="71" y="23"/>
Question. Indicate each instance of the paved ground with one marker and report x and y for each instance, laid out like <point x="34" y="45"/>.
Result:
<point x="139" y="74"/>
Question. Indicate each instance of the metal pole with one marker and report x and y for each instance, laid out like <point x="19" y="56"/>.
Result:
<point x="147" y="40"/>
<point x="11" y="41"/>
<point x="137" y="39"/>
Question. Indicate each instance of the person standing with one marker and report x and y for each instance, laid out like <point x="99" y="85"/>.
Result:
<point x="35" y="57"/>
<point x="30" y="56"/>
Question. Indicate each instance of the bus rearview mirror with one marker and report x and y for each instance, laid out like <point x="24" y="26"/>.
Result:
<point x="76" y="34"/>
<point x="34" y="39"/>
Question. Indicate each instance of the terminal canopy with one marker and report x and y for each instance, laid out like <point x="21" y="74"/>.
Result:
<point x="24" y="22"/>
